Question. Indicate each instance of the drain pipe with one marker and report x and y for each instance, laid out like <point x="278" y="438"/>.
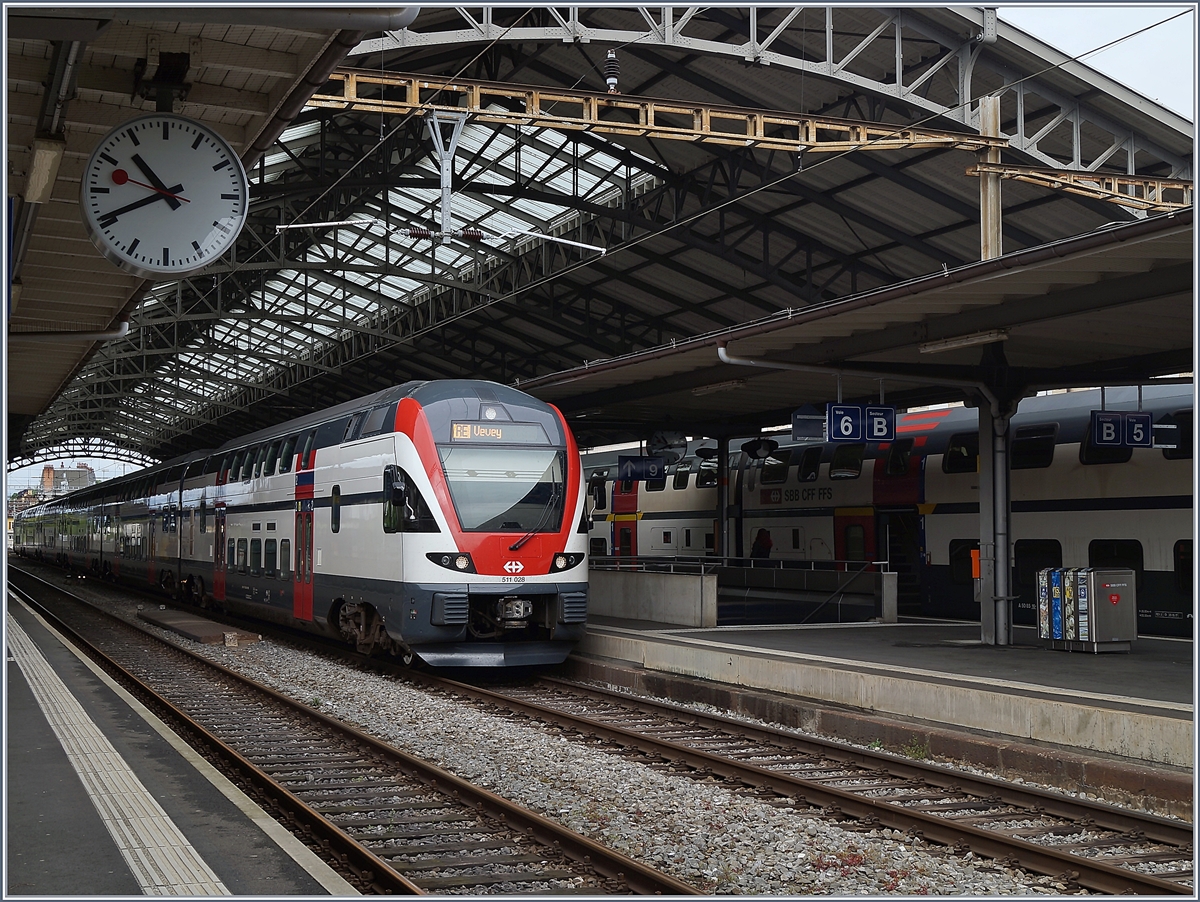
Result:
<point x="980" y="387"/>
<point x="65" y="335"/>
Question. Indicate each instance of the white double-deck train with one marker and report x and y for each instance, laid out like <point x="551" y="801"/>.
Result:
<point x="439" y="520"/>
<point x="915" y="503"/>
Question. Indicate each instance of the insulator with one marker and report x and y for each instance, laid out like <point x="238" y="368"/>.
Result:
<point x="418" y="233"/>
<point x="612" y="71"/>
<point x="471" y="235"/>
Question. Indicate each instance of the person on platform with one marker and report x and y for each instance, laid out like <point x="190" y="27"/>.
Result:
<point x="762" y="544"/>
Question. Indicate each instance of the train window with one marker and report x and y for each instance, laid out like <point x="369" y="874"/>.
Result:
<point x="657" y="485"/>
<point x="1183" y="565"/>
<point x="797" y="538"/>
<point x="596" y="487"/>
<point x="203" y="515"/>
<point x="1183" y="435"/>
<point x="404" y="508"/>
<point x="285" y="558"/>
<point x="668" y="537"/>
<point x="775" y="468"/>
<point x="268" y="468"/>
<point x="1032" y="555"/>
<point x="1098" y="454"/>
<point x="597" y="547"/>
<point x="1117" y="554"/>
<point x="248" y="464"/>
<point x="847" y="461"/>
<point x="683" y="473"/>
<point x="375" y="421"/>
<point x="237" y="553"/>
<point x="306" y="450"/>
<point x="351" y="432"/>
<point x="226" y="462"/>
<point x="212" y="465"/>
<point x="962" y="453"/>
<point x="1033" y="447"/>
<point x="706" y="476"/>
<point x="256" y="557"/>
<point x="810" y="465"/>
<point x="898" y="456"/>
<point x="687" y="538"/>
<point x="856" y="542"/>
<point x="270" y="526"/>
<point x="270" y="558"/>
<point x="259" y="461"/>
<point x="962" y="570"/>
<point x="286" y="453"/>
<point x="335" y="509"/>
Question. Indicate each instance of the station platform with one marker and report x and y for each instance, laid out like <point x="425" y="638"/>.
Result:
<point x="1115" y="709"/>
<point x="102" y="798"/>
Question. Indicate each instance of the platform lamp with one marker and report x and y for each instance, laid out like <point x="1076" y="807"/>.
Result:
<point x="45" y="158"/>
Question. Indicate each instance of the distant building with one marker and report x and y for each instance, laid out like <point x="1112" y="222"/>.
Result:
<point x="61" y="480"/>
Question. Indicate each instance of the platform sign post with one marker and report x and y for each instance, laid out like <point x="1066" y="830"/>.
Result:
<point x="880" y="423"/>
<point x="844" y="422"/>
<point x="634" y="469"/>
<point x="1139" y="430"/>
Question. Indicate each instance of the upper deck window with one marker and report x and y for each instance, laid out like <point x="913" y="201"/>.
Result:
<point x="775" y="468"/>
<point x="1033" y="446"/>
<point x="962" y="454"/>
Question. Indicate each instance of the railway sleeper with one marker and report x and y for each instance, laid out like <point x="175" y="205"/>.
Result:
<point x="493" y="879"/>
<point x="441" y="864"/>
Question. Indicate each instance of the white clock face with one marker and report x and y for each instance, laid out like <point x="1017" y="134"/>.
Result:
<point x="163" y="195"/>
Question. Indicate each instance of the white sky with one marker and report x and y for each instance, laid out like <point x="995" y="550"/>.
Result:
<point x="1159" y="63"/>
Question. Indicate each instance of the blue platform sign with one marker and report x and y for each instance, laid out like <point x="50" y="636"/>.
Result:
<point x="1107" y="429"/>
<point x="844" y="422"/>
<point x="633" y="469"/>
<point x="880" y="424"/>
<point x="1139" y="430"/>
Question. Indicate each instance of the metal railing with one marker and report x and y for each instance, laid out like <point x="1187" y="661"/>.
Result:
<point x="713" y="563"/>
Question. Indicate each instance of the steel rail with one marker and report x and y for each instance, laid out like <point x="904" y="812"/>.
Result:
<point x="1161" y="829"/>
<point x="1093" y="875"/>
<point x="605" y="861"/>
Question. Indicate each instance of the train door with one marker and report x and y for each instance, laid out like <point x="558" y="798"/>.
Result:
<point x="220" y="559"/>
<point x="302" y="589"/>
<point x="854" y="537"/>
<point x="152" y="550"/>
<point x="898" y="531"/>
<point x="625" y="518"/>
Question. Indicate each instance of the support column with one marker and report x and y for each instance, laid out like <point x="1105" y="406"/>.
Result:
<point x="991" y="240"/>
<point x="721" y="535"/>
<point x="987" y="528"/>
<point x="1002" y="517"/>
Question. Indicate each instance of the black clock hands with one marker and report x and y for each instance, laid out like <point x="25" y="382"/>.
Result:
<point x="107" y="219"/>
<point x="156" y="181"/>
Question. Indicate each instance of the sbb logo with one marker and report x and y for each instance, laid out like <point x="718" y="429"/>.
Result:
<point x="1114" y="598"/>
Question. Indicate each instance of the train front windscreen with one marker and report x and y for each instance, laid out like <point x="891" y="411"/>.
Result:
<point x="506" y="489"/>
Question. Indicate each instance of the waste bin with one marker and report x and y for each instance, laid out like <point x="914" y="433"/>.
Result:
<point x="1087" y="609"/>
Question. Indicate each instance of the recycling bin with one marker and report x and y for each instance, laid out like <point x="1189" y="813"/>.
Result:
<point x="1087" y="609"/>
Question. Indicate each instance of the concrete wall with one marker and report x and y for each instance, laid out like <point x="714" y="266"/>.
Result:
<point x="680" y="599"/>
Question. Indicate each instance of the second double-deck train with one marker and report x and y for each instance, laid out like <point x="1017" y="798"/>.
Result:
<point x="914" y="503"/>
<point x="436" y="520"/>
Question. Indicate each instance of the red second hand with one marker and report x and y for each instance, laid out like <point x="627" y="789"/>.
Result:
<point x="120" y="177"/>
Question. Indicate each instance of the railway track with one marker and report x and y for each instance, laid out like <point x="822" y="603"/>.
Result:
<point x="1087" y="844"/>
<point x="389" y="821"/>
<point x="1080" y="843"/>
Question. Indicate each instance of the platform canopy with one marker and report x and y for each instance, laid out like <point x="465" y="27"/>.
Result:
<point x="799" y="158"/>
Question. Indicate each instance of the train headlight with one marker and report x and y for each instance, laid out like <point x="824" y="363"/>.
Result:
<point x="565" y="561"/>
<point x="453" y="560"/>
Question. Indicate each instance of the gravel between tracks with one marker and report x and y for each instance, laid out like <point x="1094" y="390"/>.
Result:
<point x="717" y="840"/>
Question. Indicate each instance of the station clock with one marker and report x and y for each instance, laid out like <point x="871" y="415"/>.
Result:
<point x="163" y="195"/>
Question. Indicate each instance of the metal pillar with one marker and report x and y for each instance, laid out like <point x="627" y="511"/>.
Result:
<point x="721" y="536"/>
<point x="991" y="240"/>
<point x="445" y="150"/>
<point x="1002" y="517"/>
<point x="987" y="529"/>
